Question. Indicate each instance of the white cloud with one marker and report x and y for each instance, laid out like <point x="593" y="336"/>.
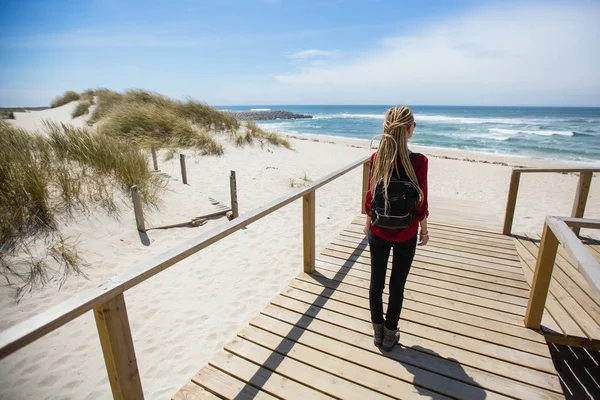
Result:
<point x="543" y="53"/>
<point x="313" y="53"/>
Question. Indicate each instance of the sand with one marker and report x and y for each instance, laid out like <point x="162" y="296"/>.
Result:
<point x="184" y="315"/>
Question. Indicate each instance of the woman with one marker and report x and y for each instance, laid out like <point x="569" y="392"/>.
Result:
<point x="392" y="158"/>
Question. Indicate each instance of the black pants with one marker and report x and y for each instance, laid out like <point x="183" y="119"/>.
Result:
<point x="402" y="258"/>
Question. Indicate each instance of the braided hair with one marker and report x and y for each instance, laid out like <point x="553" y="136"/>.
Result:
<point x="393" y="149"/>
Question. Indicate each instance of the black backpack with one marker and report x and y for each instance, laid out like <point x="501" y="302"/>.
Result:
<point x="397" y="210"/>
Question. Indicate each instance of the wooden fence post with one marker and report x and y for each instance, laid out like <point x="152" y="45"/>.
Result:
<point x="183" y="170"/>
<point x="137" y="209"/>
<point x="117" y="347"/>
<point x="365" y="186"/>
<point x="233" y="192"/>
<point x="308" y="231"/>
<point x="583" y="189"/>
<point x="154" y="160"/>
<point x="511" y="202"/>
<point x="541" y="278"/>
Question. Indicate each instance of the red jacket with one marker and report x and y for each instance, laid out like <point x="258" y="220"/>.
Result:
<point x="421" y="212"/>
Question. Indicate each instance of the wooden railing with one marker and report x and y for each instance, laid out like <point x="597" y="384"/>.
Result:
<point x="108" y="302"/>
<point x="583" y="188"/>
<point x="556" y="231"/>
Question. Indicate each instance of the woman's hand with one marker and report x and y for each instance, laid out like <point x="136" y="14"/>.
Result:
<point x="367" y="226"/>
<point x="423" y="239"/>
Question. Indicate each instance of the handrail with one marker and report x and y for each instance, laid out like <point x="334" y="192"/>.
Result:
<point x="556" y="231"/>
<point x="107" y="299"/>
<point x="583" y="189"/>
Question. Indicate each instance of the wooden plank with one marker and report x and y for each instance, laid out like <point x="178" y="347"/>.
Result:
<point x="581" y="222"/>
<point x="317" y="379"/>
<point x="305" y="316"/>
<point x="489" y="299"/>
<point x="489" y="349"/>
<point x="472" y="273"/>
<point x="444" y="309"/>
<point x="466" y="277"/>
<point x="433" y="258"/>
<point x="560" y="320"/>
<point x="585" y="263"/>
<point x="581" y="196"/>
<point x="117" y="347"/>
<point x="262" y="378"/>
<point x="440" y="289"/>
<point x="407" y="314"/>
<point x="477" y="287"/>
<point x="308" y="231"/>
<point x="487" y="235"/>
<point x="511" y="202"/>
<point x="335" y="364"/>
<point x="358" y="348"/>
<point x="25" y="332"/>
<point x="515" y="276"/>
<point x="423" y="296"/>
<point x="458" y="239"/>
<point x="364" y="254"/>
<point x="591" y="344"/>
<point x="226" y="386"/>
<point x="193" y="392"/>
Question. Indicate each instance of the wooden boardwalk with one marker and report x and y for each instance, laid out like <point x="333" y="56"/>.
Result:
<point x="462" y="330"/>
<point x="571" y="309"/>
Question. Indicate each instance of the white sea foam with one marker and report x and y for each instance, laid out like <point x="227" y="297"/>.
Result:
<point x="260" y="109"/>
<point x="470" y="120"/>
<point x="532" y="132"/>
<point x="349" y="115"/>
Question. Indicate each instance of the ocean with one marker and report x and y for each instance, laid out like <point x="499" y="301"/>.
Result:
<point x="558" y="134"/>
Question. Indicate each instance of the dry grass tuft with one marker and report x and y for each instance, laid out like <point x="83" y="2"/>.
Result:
<point x="254" y="132"/>
<point x="45" y="177"/>
<point x="82" y="108"/>
<point x="66" y="98"/>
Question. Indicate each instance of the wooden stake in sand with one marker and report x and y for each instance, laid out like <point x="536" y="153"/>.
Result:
<point x="233" y="190"/>
<point x="154" y="160"/>
<point x="183" y="170"/>
<point x="137" y="209"/>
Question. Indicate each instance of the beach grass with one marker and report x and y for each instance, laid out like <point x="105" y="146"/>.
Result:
<point x="254" y="132"/>
<point x="66" y="98"/>
<point x="82" y="108"/>
<point x="44" y="177"/>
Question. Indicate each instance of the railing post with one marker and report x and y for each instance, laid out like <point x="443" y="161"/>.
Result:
<point x="137" y="209"/>
<point x="154" y="160"/>
<point x="365" y="186"/>
<point x="308" y="223"/>
<point x="541" y="278"/>
<point x="511" y="202"/>
<point x="583" y="189"/>
<point x="117" y="346"/>
<point x="233" y="191"/>
<point x="183" y="169"/>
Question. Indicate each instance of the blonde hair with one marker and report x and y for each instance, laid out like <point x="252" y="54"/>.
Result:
<point x="393" y="149"/>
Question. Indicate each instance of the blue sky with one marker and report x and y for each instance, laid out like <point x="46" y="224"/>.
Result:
<point x="305" y="52"/>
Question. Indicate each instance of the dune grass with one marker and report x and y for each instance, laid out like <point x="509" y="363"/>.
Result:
<point x="66" y="98"/>
<point x="82" y="108"/>
<point x="254" y="132"/>
<point x="47" y="177"/>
